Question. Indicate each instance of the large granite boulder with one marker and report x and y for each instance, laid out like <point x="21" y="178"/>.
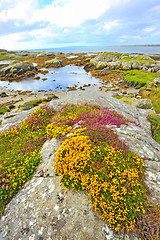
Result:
<point x="55" y="62"/>
<point x="18" y="68"/>
<point x="99" y="58"/>
<point x="114" y="65"/>
<point x="101" y="65"/>
<point x="136" y="65"/>
<point x="143" y="104"/>
<point x="103" y="57"/>
<point x="46" y="54"/>
<point x="126" y="65"/>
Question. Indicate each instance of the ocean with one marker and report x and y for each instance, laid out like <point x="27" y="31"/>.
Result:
<point x="121" y="49"/>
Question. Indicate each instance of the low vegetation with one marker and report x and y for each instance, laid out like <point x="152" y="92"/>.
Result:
<point x="138" y="58"/>
<point x="155" y="123"/>
<point x="20" y="153"/>
<point x="90" y="158"/>
<point x="114" y="53"/>
<point x="154" y="95"/>
<point x="7" y="55"/>
<point x="139" y="76"/>
<point x="37" y="102"/>
<point x="127" y="58"/>
<point x="4" y="110"/>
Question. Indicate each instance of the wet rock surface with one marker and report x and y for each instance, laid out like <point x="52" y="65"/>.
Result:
<point x="44" y="210"/>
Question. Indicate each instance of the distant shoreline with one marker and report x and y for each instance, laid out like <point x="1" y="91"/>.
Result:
<point x="141" y="49"/>
<point x="145" y="45"/>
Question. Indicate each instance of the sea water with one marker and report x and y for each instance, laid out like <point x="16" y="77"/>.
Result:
<point x="57" y="79"/>
<point x="152" y="49"/>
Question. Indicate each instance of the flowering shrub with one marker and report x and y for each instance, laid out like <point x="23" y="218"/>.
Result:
<point x="112" y="180"/>
<point x="20" y="152"/>
<point x="94" y="159"/>
<point x="155" y="123"/>
<point x="55" y="131"/>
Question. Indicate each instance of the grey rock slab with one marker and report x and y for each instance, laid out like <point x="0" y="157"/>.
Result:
<point x="46" y="168"/>
<point x="13" y="119"/>
<point x="43" y="209"/>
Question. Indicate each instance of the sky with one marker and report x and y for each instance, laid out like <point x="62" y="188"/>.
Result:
<point x="38" y="24"/>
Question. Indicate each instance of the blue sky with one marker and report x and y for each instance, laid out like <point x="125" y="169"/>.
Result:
<point x="34" y="24"/>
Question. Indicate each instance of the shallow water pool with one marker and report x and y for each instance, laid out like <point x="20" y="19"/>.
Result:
<point x="57" y="79"/>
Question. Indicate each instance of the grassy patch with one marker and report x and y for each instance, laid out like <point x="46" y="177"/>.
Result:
<point x="20" y="153"/>
<point x="139" y="76"/>
<point x="138" y="58"/>
<point x="122" y="96"/>
<point x="4" y="57"/>
<point x="4" y="110"/>
<point x="155" y="123"/>
<point x="36" y="102"/>
<point x="113" y="53"/>
<point x="154" y="96"/>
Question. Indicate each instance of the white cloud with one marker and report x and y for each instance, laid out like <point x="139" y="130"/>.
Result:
<point x="27" y="40"/>
<point x="64" y="13"/>
<point x="71" y="13"/>
<point x="42" y="33"/>
<point x="21" y="10"/>
<point x="149" y="29"/>
<point x="67" y="30"/>
<point x="110" y="25"/>
<point x="11" y="40"/>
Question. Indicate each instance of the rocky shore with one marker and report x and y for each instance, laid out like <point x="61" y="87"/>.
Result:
<point x="43" y="210"/>
<point x="104" y="66"/>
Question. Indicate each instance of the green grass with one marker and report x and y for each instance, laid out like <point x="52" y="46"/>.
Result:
<point x="4" y="110"/>
<point x="155" y="123"/>
<point x="154" y="96"/>
<point x="139" y="76"/>
<point x="20" y="153"/>
<point x="113" y="53"/>
<point x="121" y="96"/>
<point x="4" y="57"/>
<point x="138" y="58"/>
<point x="36" y="102"/>
<point x="128" y="59"/>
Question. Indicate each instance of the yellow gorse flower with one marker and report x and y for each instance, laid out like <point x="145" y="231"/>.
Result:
<point x="108" y="188"/>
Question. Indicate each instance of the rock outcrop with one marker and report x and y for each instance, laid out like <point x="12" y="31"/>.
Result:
<point x="55" y="62"/>
<point x="44" y="210"/>
<point x="46" y="54"/>
<point x="20" y="54"/>
<point x="17" y="68"/>
<point x="114" y="61"/>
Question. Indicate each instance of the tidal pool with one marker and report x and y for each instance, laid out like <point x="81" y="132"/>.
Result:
<point x="57" y="79"/>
